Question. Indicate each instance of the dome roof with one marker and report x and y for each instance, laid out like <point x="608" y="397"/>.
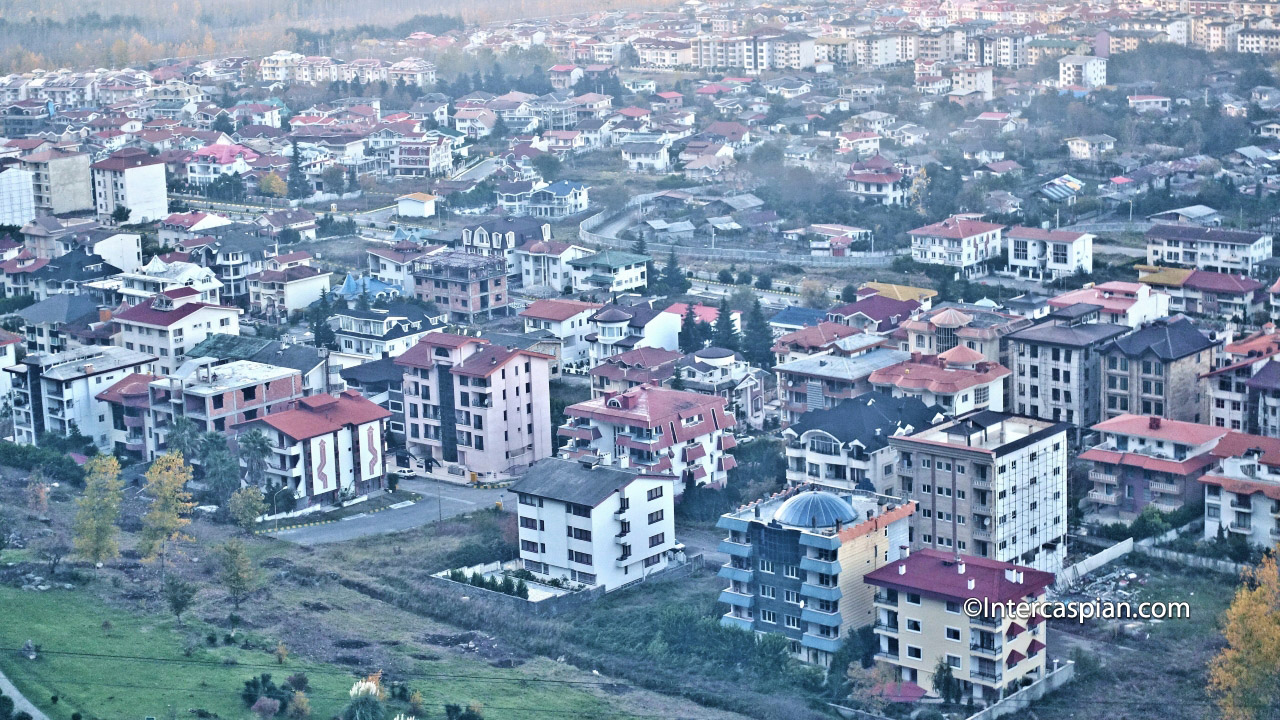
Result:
<point x="951" y="318"/>
<point x="710" y="353"/>
<point x="815" y="508"/>
<point x="962" y="355"/>
<point x="613" y="315"/>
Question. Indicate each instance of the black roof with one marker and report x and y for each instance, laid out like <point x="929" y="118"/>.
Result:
<point x="1082" y="334"/>
<point x="572" y="481"/>
<point x="870" y="419"/>
<point x="382" y="370"/>
<point x="61" y="308"/>
<point x="1167" y="338"/>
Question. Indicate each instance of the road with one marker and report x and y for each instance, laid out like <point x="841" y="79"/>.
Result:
<point x="20" y="703"/>
<point x="479" y="171"/>
<point x="453" y="500"/>
<point x="770" y="298"/>
<point x="1100" y="248"/>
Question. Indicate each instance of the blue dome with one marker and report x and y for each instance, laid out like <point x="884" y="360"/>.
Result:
<point x="815" y="508"/>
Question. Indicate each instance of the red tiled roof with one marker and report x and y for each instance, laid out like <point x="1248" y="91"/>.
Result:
<point x="814" y="336"/>
<point x="320" y="414"/>
<point x="1146" y="462"/>
<point x="1175" y="431"/>
<point x="144" y="313"/>
<point x="131" y="385"/>
<point x="557" y="310"/>
<point x="935" y="573"/>
<point x="956" y="227"/>
<point x="1241" y="486"/>
<point x="492" y="358"/>
<point x="925" y="375"/>
<point x="421" y="354"/>
<point x="1237" y="444"/>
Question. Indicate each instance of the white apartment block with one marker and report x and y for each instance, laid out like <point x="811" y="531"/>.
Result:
<point x="1242" y="495"/>
<point x="958" y="242"/>
<point x="1237" y="252"/>
<point x="1039" y="254"/>
<point x="567" y="320"/>
<point x="170" y="322"/>
<point x="17" y="196"/>
<point x="1086" y="71"/>
<point x="133" y="179"/>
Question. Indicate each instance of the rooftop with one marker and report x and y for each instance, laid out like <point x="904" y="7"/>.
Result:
<point x="572" y="481"/>
<point x="959" y="577"/>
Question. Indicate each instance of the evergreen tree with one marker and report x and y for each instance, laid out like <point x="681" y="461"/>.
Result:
<point x="757" y="337"/>
<point x="724" y="334"/>
<point x="353" y="183"/>
<point x="238" y="574"/>
<point x="673" y="278"/>
<point x="690" y="337"/>
<point x="677" y="380"/>
<point x="299" y="185"/>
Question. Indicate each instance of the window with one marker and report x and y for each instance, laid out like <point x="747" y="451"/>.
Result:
<point x="953" y="607"/>
<point x="655" y="516"/>
<point x="579" y="557"/>
<point x="656" y="540"/>
<point x="953" y="661"/>
<point x="766" y="566"/>
<point x="655" y="493"/>
<point x="913" y="598"/>
<point x="791" y="596"/>
<point x="768" y="591"/>
<point x="528" y="546"/>
<point x="652" y="560"/>
<point x="792" y="621"/>
<point x="913" y="652"/>
<point x="578" y="533"/>
<point x="528" y="523"/>
<point x="769" y="616"/>
<point x="953" y="634"/>
<point x="791" y="571"/>
<point x="913" y="625"/>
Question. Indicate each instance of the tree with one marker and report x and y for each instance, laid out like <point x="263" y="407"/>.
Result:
<point x="548" y="166"/>
<point x="255" y="448"/>
<point x="299" y="706"/>
<point x="677" y="379"/>
<point x="272" y="185"/>
<point x="183" y="436"/>
<point x="757" y="337"/>
<point x="98" y="510"/>
<point x="334" y="178"/>
<point x="238" y="574"/>
<point x="725" y="334"/>
<point x="178" y="595"/>
<point x="673" y="278"/>
<point x="725" y="276"/>
<point x="121" y="215"/>
<point x="37" y="493"/>
<point x="1243" y="675"/>
<point x="246" y="505"/>
<point x="353" y="182"/>
<point x="849" y="293"/>
<point x="689" y="338"/>
<point x="170" y="503"/>
<point x="223" y="124"/>
<point x="53" y="549"/>
<point x="299" y="186"/>
<point x="945" y="683"/>
<point x="814" y="294"/>
<point x="266" y="707"/>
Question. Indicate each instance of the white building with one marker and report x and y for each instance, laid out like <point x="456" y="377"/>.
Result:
<point x="958" y="242"/>
<point x="567" y="320"/>
<point x="1237" y="252"/>
<point x="17" y="196"/>
<point x="133" y="179"/>
<point x="545" y="264"/>
<point x="616" y="329"/>
<point x="166" y="325"/>
<point x="1048" y="254"/>
<point x="1084" y="71"/>
<point x="613" y="271"/>
<point x="419" y="205"/>
<point x="1242" y="493"/>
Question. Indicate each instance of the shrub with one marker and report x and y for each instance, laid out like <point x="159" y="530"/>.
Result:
<point x="56" y="466"/>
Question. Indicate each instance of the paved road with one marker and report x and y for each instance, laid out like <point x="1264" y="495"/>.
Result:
<point x="20" y="703"/>
<point x="453" y="500"/>
<point x="1119" y="250"/>
<point x="479" y="171"/>
<point x="770" y="298"/>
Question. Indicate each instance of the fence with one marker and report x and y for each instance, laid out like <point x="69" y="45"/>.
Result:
<point x="1020" y="700"/>
<point x="1070" y="576"/>
<point x="1196" y="561"/>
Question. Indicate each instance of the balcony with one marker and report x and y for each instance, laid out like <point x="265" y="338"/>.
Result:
<point x="735" y="549"/>
<point x="980" y="533"/>
<point x="1165" y="505"/>
<point x="887" y="655"/>
<point x="1103" y="498"/>
<point x="623" y="560"/>
<point x="986" y="649"/>
<point x="820" y="642"/>
<point x="985" y="622"/>
<point x="830" y="567"/>
<point x="1241" y="528"/>
<point x="741" y="623"/>
<point x="1243" y="505"/>
<point x="736" y="598"/>
<point x="1104" y="477"/>
<point x="1165" y="487"/>
<point x="885" y="627"/>
<point x="729" y="572"/>
<point x="986" y="677"/>
<point x="883" y="598"/>
<point x="821" y="592"/>
<point x="621" y="538"/>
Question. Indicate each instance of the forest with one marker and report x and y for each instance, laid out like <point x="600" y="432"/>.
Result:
<point x="83" y="34"/>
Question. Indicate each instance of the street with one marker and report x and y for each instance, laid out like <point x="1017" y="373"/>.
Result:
<point x="453" y="500"/>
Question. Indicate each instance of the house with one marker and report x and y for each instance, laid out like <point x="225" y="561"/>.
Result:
<point x="326" y="449"/>
<point x="725" y="373"/>
<point x="57" y="392"/>
<point x="958" y="242"/>
<point x="1082" y="71"/>
<point x="463" y="285"/>
<point x="233" y="252"/>
<point x="298" y="220"/>
<point x="845" y="448"/>
<point x="381" y="332"/>
<point x="646" y="157"/>
<point x="962" y="474"/>
<point x="642" y="366"/>
<point x="873" y="313"/>
<point x="882" y="188"/>
<point x="959" y="380"/>
<point x="567" y="320"/>
<point x="318" y="367"/>
<point x="816" y="339"/>
<point x="176" y="227"/>
<point x="169" y="323"/>
<point x="1242" y="491"/>
<point x="1058" y="367"/>
<point x="287" y="287"/>
<point x="576" y="521"/>
<point x="211" y="162"/>
<point x="129" y="401"/>
<point x="477" y="406"/>
<point x="1201" y="215"/>
<point x="1039" y="254"/>
<point x="153" y="278"/>
<point x="1225" y="251"/>
<point x="1121" y="303"/>
<point x="618" y="328"/>
<point x="545" y="264"/>
<point x="499" y="237"/>
<point x="821" y="381"/>
<point x="1149" y="103"/>
<point x="674" y="433"/>
<point x="918" y="606"/>
<point x="797" y="562"/>
<point x="1155" y="370"/>
<point x="1092" y="148"/>
<point x="1207" y="294"/>
<point x="134" y="180"/>
<point x="394" y="265"/>
<point x="44" y="323"/>
<point x="559" y="200"/>
<point x="611" y="271"/>
<point x="418" y="205"/>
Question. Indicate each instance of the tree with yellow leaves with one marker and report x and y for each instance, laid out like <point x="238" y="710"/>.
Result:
<point x="98" y="510"/>
<point x="1245" y="676"/>
<point x="171" y="503"/>
<point x="271" y="184"/>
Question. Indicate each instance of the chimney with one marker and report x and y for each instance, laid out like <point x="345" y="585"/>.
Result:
<point x="1019" y="580"/>
<point x="902" y="569"/>
<point x="104" y="314"/>
<point x="971" y="583"/>
<point x="1154" y="422"/>
<point x="1010" y="575"/>
<point x="905" y="550"/>
<point x="960" y="567"/>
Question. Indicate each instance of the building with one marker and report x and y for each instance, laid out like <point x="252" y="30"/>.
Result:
<point x="17" y="195"/>
<point x="991" y="485"/>
<point x="463" y="285"/>
<point x="1082" y="71"/>
<point x="559" y="200"/>
<point x="382" y="382"/>
<point x="1058" y="367"/>
<point x="797" y="562"/>
<point x="382" y="332"/>
<point x="725" y="373"/>
<point x="58" y="392"/>
<point x="394" y="265"/>
<point x="233" y="252"/>
<point x="481" y="407"/>
<point x="61" y="180"/>
<point x="545" y="264"/>
<point x="959" y="380"/>
<point x="1039" y="254"/>
<point x="286" y="287"/>
<point x="1231" y="401"/>
<point x="131" y="179"/>
<point x="566" y="320"/>
<point x="1237" y="252"/>
<point x="319" y="369"/>
<point x="816" y="337"/>
<point x="610" y="271"/>
<point x="1090" y="148"/>
<point x="1155" y="370"/>
<point x="618" y="328"/>
<point x="958" y="242"/>
<point x="642" y="366"/>
<point x="1120" y="303"/>
<point x="169" y="323"/>
<point x="1242" y="492"/>
<point x="846" y="447"/>
<point x="951" y="325"/>
<point x="1143" y="460"/>
<point x="46" y="324"/>
<point x="155" y="277"/>
<point x="825" y="379"/>
<point x="326" y="449"/>
<point x="675" y="433"/>
<point x="873" y="313"/>
<point x="417" y="205"/>
<point x="919" y="620"/>
<point x="1208" y="294"/>
<point x="129" y="401"/>
<point x="501" y="236"/>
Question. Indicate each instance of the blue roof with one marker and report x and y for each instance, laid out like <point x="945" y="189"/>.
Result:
<point x="796" y="316"/>
<point x="354" y="286"/>
<point x="564" y="187"/>
<point x="815" y="509"/>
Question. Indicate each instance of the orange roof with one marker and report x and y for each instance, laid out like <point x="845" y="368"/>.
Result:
<point x="321" y="414"/>
<point x="928" y="375"/>
<point x="557" y="310"/>
<point x="1151" y="426"/>
<point x="1241" y="486"/>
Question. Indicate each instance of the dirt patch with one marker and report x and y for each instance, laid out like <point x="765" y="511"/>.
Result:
<point x="351" y="644"/>
<point x="616" y="688"/>
<point x="486" y="646"/>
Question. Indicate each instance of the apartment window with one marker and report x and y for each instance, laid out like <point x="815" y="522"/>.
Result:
<point x="953" y="661"/>
<point x="913" y="625"/>
<point x="578" y="533"/>
<point x="913" y="652"/>
<point x="769" y="616"/>
<point x="792" y="621"/>
<point x="528" y="523"/>
<point x="579" y="557"/>
<point x="656" y="540"/>
<point x="791" y="596"/>
<point x="655" y="493"/>
<point x="913" y="598"/>
<point x="953" y="634"/>
<point x="652" y="560"/>
<point x="791" y="571"/>
<point x="655" y="516"/>
<point x="953" y="607"/>
<point x="768" y="591"/>
<point x="766" y="566"/>
<point x="529" y="546"/>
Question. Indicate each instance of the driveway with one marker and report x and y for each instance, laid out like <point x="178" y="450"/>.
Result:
<point x="20" y="703"/>
<point x="439" y="500"/>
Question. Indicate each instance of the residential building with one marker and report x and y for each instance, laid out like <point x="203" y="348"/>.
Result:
<point x="619" y="328"/>
<point x="169" y="323"/>
<point x="610" y="271"/>
<point x="129" y="400"/>
<point x="959" y="380"/>
<point x="676" y="433"/>
<point x="559" y="200"/>
<point x="61" y="180"/>
<point x="1082" y="71"/>
<point x="1058" y="370"/>
<point x="725" y="373"/>
<point x="595" y="525"/>
<point x="1208" y="294"/>
<point x="286" y="287"/>
<point x="17" y="195"/>
<point x="846" y="447"/>
<point x="319" y="369"/>
<point x="545" y="264"/>
<point x="1242" y="492"/>
<point x="45" y="324"/>
<point x="567" y="320"/>
<point x="1155" y="370"/>
<point x="233" y="252"/>
<point x="1236" y="252"/>
<point x="823" y="380"/>
<point x="991" y="485"/>
<point x="815" y="339"/>
<point x="132" y="179"/>
<point x="176" y="227"/>
<point x="206" y="165"/>
<point x="950" y="325"/>
<point x="1143" y="460"/>
<point x="382" y="332"/>
<point x="382" y="382"/>
<point x="1090" y="148"/>
<point x="642" y="366"/>
<point x="484" y="408"/>
<point x="797" y="562"/>
<point x="394" y="265"/>
<point x="463" y="285"/>
<point x="958" y="242"/>
<point x="1232" y="398"/>
<point x="920" y="619"/>
<point x="58" y="392"/>
<point x="873" y="313"/>
<point x="1120" y="303"/>
<point x="1039" y="254"/>
<point x="501" y="236"/>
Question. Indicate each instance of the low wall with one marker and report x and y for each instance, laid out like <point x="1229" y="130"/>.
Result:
<point x="1072" y="575"/>
<point x="1196" y="561"/>
<point x="1029" y="694"/>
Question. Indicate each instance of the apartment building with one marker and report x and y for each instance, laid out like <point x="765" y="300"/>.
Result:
<point x="846" y="447"/>
<point x="959" y="380"/>
<point x="676" y="433"/>
<point x="129" y="400"/>
<point x="286" y="287"/>
<point x="567" y="320"/>
<point x="1121" y="303"/>
<point x="1146" y="460"/>
<point x="545" y="264"/>
<point x="170" y="322"/>
<point x="797" y="562"/>
<point x="822" y="381"/>
<point x="320" y="370"/>
<point x="325" y="449"/>
<point x="919" y="603"/>
<point x="642" y="366"/>
<point x="17" y="195"/>
<point x="950" y="325"/>
<point x="501" y="236"/>
<point x="1038" y="254"/>
<point x="233" y="252"/>
<point x="131" y="178"/>
<point x="479" y="406"/>
<point x="1242" y="491"/>
<point x="216" y="397"/>
<point x="56" y="392"/>
<point x="156" y="277"/>
<point x="1082" y="71"/>
<point x="818" y="337"/>
<point x="1156" y="369"/>
<point x="1058" y="367"/>
<point x="464" y="285"/>
<point x="394" y="265"/>
<point x="1207" y="294"/>
<point x="595" y="525"/>
<point x="617" y="328"/>
<point x="1236" y="252"/>
<point x="991" y="485"/>
<point x="611" y="271"/>
<point x="958" y="242"/>
<point x="61" y="179"/>
<point x="1230" y="400"/>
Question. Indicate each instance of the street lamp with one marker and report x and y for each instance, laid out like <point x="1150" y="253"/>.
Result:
<point x="283" y="486"/>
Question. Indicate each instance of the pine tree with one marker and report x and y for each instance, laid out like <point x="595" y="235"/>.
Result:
<point x="673" y="277"/>
<point x="677" y="380"/>
<point x="690" y="339"/>
<point x="238" y="574"/>
<point x="98" y="509"/>
<point x="163" y="523"/>
<point x="299" y="185"/>
<point x="757" y="337"/>
<point x="725" y="335"/>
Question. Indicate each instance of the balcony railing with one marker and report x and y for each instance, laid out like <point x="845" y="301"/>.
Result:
<point x="1103" y="477"/>
<point x="1240" y="528"/>
<point x="1165" y="487"/>
<point x="1104" y="498"/>
<point x="986" y="648"/>
<point x="886" y="599"/>
<point x="886" y="626"/>
<point x="1242" y="505"/>
<point x="992" y="676"/>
